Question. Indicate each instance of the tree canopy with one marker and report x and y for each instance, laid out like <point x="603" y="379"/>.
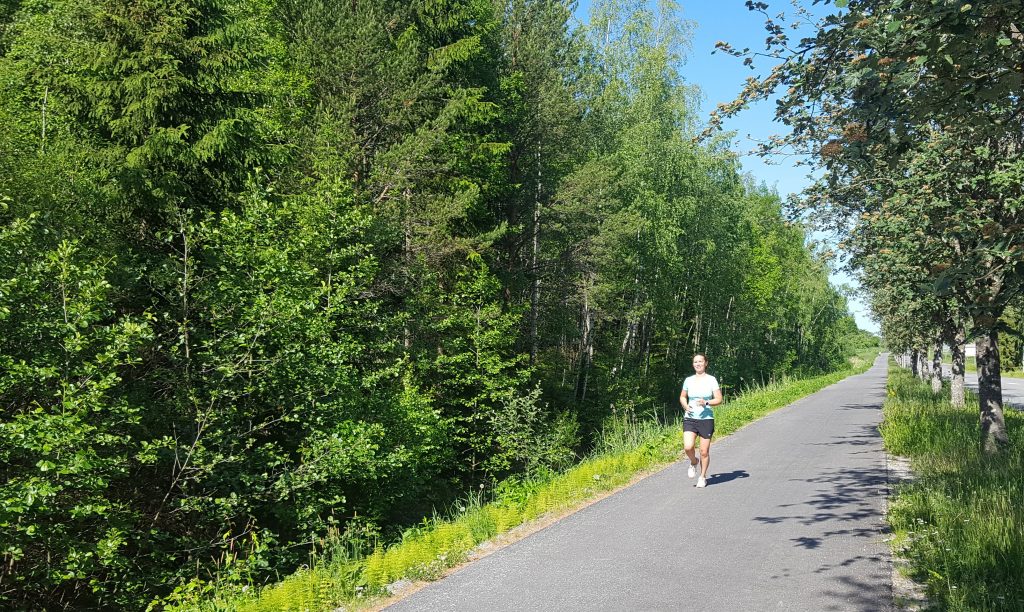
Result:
<point x="911" y="111"/>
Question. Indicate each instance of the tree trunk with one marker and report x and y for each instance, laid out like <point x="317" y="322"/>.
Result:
<point x="407" y="259"/>
<point x="937" y="366"/>
<point x="914" y="363"/>
<point x="994" y="438"/>
<point x="956" y="385"/>
<point x="586" y="347"/>
<point x="626" y="340"/>
<point x="535" y="265"/>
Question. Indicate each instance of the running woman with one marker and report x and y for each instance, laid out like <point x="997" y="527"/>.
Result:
<point x="700" y="392"/>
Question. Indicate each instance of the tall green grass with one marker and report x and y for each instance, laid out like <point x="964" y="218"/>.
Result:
<point x="341" y="576"/>
<point x="960" y="522"/>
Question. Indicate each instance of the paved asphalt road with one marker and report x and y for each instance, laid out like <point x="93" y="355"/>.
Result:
<point x="1013" y="388"/>
<point x="791" y="520"/>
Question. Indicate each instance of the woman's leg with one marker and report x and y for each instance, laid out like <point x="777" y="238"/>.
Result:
<point x="689" y="437"/>
<point x="705" y="456"/>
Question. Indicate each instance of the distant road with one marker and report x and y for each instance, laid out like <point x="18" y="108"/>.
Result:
<point x="1013" y="388"/>
<point x="792" y="519"/>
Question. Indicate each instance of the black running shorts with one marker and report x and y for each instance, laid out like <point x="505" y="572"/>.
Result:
<point x="704" y="428"/>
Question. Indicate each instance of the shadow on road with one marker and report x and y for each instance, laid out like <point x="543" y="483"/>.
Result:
<point x="860" y="407"/>
<point x="868" y="593"/>
<point x="846" y="494"/>
<point x="808" y="543"/>
<point x="727" y="476"/>
<point x="843" y="500"/>
<point x="868" y="434"/>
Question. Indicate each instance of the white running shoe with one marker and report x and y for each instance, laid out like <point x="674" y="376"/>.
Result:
<point x="692" y="470"/>
<point x="702" y="482"/>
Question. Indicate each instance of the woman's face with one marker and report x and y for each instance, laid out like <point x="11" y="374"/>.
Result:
<point x="699" y="364"/>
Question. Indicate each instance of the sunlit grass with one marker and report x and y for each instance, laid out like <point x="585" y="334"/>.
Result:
<point x="342" y="577"/>
<point x="960" y="523"/>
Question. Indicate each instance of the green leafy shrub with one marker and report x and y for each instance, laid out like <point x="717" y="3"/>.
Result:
<point x="70" y="426"/>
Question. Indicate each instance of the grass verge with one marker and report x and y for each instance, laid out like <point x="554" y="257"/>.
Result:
<point x="959" y="524"/>
<point x="341" y="578"/>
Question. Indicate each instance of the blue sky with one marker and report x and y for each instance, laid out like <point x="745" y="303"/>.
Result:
<point x="720" y="77"/>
